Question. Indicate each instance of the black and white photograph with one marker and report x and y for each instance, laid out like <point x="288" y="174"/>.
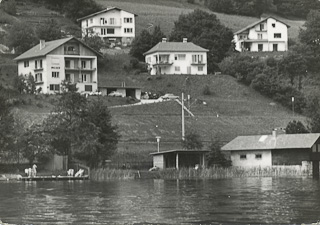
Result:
<point x="159" y="112"/>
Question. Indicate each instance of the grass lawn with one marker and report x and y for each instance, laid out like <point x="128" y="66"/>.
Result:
<point x="166" y="12"/>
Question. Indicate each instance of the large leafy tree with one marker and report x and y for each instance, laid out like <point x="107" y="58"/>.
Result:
<point x="21" y="37"/>
<point x="6" y="127"/>
<point x="296" y="127"/>
<point x="205" y="30"/>
<point x="81" y="129"/>
<point x="145" y="41"/>
<point x="192" y="141"/>
<point x="75" y="9"/>
<point x="49" y="30"/>
<point x="215" y="157"/>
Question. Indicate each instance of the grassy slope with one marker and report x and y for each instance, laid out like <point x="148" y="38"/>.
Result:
<point x="165" y="12"/>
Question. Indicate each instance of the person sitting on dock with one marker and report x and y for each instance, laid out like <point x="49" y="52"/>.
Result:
<point x="70" y="172"/>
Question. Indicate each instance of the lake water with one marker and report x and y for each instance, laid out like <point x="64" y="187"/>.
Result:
<point x="235" y="201"/>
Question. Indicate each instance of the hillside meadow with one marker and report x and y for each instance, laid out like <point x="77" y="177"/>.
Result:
<point x="166" y="12"/>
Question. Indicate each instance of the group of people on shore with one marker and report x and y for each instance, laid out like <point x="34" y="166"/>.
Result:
<point x="31" y="172"/>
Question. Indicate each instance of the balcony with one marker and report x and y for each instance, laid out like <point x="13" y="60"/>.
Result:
<point x="200" y="63"/>
<point x="163" y="63"/>
<point x="75" y="52"/>
<point x="79" y="69"/>
<point x="37" y="69"/>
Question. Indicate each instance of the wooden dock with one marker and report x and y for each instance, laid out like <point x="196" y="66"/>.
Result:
<point x="54" y="178"/>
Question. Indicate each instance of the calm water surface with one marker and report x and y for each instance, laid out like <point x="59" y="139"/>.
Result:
<point x="245" y="200"/>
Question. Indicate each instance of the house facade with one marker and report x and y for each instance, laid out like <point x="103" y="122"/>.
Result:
<point x="52" y="62"/>
<point x="113" y="25"/>
<point x="273" y="150"/>
<point x="266" y="35"/>
<point x="176" y="58"/>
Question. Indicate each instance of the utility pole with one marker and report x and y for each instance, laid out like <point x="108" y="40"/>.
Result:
<point x="182" y="115"/>
<point x="292" y="99"/>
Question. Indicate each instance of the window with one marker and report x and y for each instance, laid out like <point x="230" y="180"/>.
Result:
<point x="71" y="48"/>
<point x="261" y="26"/>
<point x="67" y="63"/>
<point x="180" y="57"/>
<point x="110" y="31"/>
<point x="127" y="20"/>
<point x="112" y="21"/>
<point x="275" y="47"/>
<point x="128" y="30"/>
<point x="55" y="74"/>
<point x="258" y="156"/>
<point x="200" y="68"/>
<point x="177" y="68"/>
<point x="38" y="77"/>
<point x="40" y="63"/>
<point x="101" y="21"/>
<point x="243" y="157"/>
<point x="87" y="87"/>
<point x="83" y="64"/>
<point x="103" y="31"/>
<point x="277" y="35"/>
<point x="197" y="58"/>
<point x="273" y="25"/>
<point x="85" y="78"/>
<point x="260" y="47"/>
<point x="26" y="63"/>
<point x="260" y="36"/>
<point x="87" y="22"/>
<point x="54" y="87"/>
<point x="36" y="64"/>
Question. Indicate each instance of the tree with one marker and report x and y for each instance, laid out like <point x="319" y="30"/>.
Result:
<point x="296" y="127"/>
<point x="75" y="9"/>
<point x="192" y="141"/>
<point x="94" y="41"/>
<point x="21" y="37"/>
<point x="294" y="65"/>
<point x="215" y="156"/>
<point x="205" y="30"/>
<point x="145" y="41"/>
<point x="6" y="127"/>
<point x="106" y="145"/>
<point x="25" y="84"/>
<point x="81" y="129"/>
<point x="310" y="38"/>
<point x="9" y="7"/>
<point x="313" y="112"/>
<point x="49" y="30"/>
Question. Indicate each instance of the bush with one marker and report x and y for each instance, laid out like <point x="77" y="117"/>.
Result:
<point x="206" y="90"/>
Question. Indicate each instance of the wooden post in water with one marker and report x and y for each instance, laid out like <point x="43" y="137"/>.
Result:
<point x="315" y="169"/>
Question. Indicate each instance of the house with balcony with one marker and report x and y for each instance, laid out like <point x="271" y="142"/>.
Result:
<point x="176" y="58"/>
<point x="52" y="62"/>
<point x="267" y="35"/>
<point x="112" y="24"/>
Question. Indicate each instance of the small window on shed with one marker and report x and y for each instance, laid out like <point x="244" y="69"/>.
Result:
<point x="258" y="156"/>
<point x="314" y="148"/>
<point x="243" y="157"/>
<point x="273" y="25"/>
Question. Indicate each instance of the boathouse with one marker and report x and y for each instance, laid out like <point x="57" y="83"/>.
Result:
<point x="179" y="158"/>
<point x="275" y="149"/>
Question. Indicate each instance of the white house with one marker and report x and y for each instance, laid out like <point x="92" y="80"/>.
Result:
<point x="177" y="58"/>
<point x="275" y="149"/>
<point x="112" y="24"/>
<point x="266" y="35"/>
<point x="65" y="59"/>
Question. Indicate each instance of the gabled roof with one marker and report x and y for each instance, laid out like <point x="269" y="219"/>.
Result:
<point x="270" y="142"/>
<point x="179" y="151"/>
<point x="49" y="47"/>
<point x="103" y="11"/>
<point x="176" y="47"/>
<point x="258" y="22"/>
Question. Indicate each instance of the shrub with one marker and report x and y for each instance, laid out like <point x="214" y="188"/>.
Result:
<point x="206" y="90"/>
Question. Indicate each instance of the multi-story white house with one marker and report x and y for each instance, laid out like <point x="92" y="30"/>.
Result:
<point x="65" y="59"/>
<point x="177" y="58"/>
<point x="266" y="35"/>
<point x="112" y="24"/>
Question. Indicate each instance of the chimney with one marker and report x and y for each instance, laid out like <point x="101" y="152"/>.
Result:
<point x="274" y="134"/>
<point x="164" y="40"/>
<point x="185" y="40"/>
<point x="42" y="44"/>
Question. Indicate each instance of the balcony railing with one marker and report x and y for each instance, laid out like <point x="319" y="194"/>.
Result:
<point x="163" y="62"/>
<point x="198" y="63"/>
<point x="71" y="52"/>
<point x="80" y="68"/>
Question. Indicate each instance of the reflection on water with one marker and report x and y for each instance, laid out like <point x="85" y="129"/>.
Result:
<point x="245" y="200"/>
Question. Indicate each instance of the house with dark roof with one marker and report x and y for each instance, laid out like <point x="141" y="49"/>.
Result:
<point x="267" y="35"/>
<point x="275" y="149"/>
<point x="65" y="59"/>
<point x="114" y="25"/>
<point x="176" y="58"/>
